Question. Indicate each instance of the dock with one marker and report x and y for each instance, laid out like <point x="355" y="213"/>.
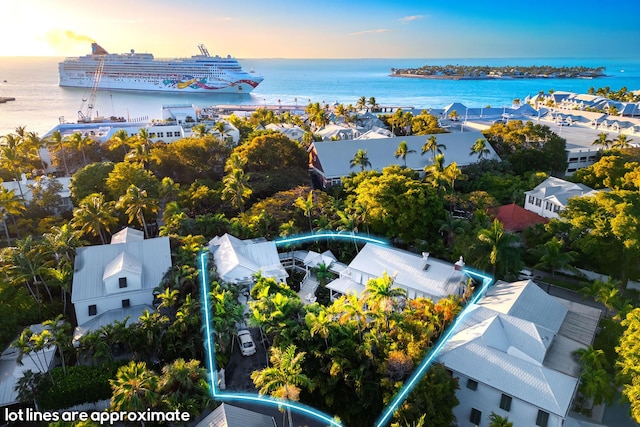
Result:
<point x="6" y="99"/>
<point x="294" y="109"/>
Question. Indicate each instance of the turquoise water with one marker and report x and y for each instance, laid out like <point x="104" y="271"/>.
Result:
<point x="40" y="102"/>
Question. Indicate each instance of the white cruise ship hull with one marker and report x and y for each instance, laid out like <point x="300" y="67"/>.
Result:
<point x="141" y="72"/>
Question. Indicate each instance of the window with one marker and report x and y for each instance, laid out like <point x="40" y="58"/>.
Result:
<point x="531" y="199"/>
<point x="122" y="282"/>
<point x="543" y="418"/>
<point x="475" y="417"/>
<point x="538" y="202"/>
<point x="472" y="385"/>
<point x="93" y="310"/>
<point x="505" y="402"/>
<point x="126" y="303"/>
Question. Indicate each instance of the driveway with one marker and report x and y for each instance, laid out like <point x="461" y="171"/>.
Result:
<point x="239" y="369"/>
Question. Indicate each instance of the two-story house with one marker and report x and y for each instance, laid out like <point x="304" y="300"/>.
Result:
<point x="115" y="281"/>
<point x="513" y="355"/>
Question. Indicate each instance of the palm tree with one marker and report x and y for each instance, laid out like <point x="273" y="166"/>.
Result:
<point x="94" y="216"/>
<point x="382" y="297"/>
<point x="501" y="246"/>
<point x="603" y="141"/>
<point x="61" y="336"/>
<point x="431" y="145"/>
<point x="480" y="148"/>
<point x="236" y="188"/>
<point x="56" y="141"/>
<point x="79" y="141"/>
<point x="360" y="159"/>
<point x="441" y="176"/>
<point x="184" y="386"/>
<point x="135" y="388"/>
<point x="10" y="206"/>
<point x="306" y="205"/>
<point x="496" y="420"/>
<point x="372" y="103"/>
<point x="621" y="142"/>
<point x="136" y="203"/>
<point x="361" y="103"/>
<point x="402" y="151"/>
<point x="35" y="145"/>
<point x="553" y="257"/>
<point x="284" y="378"/>
<point x="120" y="139"/>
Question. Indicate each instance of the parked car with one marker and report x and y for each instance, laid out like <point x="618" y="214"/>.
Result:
<point x="247" y="346"/>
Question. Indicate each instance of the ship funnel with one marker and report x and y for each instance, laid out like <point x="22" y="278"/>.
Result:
<point x="96" y="49"/>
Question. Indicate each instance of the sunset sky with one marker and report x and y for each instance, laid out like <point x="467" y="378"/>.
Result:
<point x="323" y="29"/>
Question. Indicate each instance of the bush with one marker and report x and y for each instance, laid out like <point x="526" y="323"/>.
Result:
<point x="82" y="384"/>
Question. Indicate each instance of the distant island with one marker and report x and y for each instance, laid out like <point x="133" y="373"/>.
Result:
<point x="479" y="72"/>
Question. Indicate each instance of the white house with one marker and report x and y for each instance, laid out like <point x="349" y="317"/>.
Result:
<point x="238" y="260"/>
<point x="115" y="281"/>
<point x="551" y="196"/>
<point x="25" y="188"/>
<point x="227" y="415"/>
<point x="513" y="355"/>
<point x="420" y="276"/>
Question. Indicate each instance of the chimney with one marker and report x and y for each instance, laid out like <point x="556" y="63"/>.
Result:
<point x="459" y="265"/>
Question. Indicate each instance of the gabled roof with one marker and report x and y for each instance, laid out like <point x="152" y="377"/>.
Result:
<point x="226" y="415"/>
<point x="525" y="300"/>
<point x="237" y="259"/>
<point x="153" y="256"/>
<point x="515" y="218"/>
<point x="439" y="280"/>
<point x="122" y="262"/>
<point x="559" y="190"/>
<point x="503" y="342"/>
<point x="313" y="259"/>
<point x="127" y="234"/>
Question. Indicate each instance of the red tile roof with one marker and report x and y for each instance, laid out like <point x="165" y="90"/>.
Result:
<point x="516" y="218"/>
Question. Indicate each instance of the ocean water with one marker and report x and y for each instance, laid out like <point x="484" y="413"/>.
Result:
<point x="40" y="103"/>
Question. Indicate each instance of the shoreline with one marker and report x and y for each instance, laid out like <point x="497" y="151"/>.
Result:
<point x="441" y="77"/>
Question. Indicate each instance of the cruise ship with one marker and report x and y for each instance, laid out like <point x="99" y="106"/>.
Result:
<point x="201" y="73"/>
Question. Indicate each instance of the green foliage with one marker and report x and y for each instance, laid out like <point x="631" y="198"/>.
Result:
<point x="189" y="159"/>
<point x="90" y="179"/>
<point x="81" y="384"/>
<point x="125" y="174"/>
<point x="629" y="361"/>
<point x="434" y="395"/>
<point x="528" y="147"/>
<point x="395" y="204"/>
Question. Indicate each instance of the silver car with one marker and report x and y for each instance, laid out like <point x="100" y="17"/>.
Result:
<point x="247" y="346"/>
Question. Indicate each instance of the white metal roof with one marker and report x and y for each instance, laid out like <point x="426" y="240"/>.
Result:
<point x="237" y="259"/>
<point x="439" y="280"/>
<point x="503" y="341"/>
<point x="92" y="261"/>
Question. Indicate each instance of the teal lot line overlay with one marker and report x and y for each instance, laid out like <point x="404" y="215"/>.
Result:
<point x="409" y="384"/>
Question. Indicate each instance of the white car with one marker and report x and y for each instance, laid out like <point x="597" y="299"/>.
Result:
<point x="247" y="346"/>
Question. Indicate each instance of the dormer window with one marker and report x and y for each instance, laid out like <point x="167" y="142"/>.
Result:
<point x="122" y="281"/>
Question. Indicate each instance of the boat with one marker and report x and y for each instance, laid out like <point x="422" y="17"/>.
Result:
<point x="201" y="73"/>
